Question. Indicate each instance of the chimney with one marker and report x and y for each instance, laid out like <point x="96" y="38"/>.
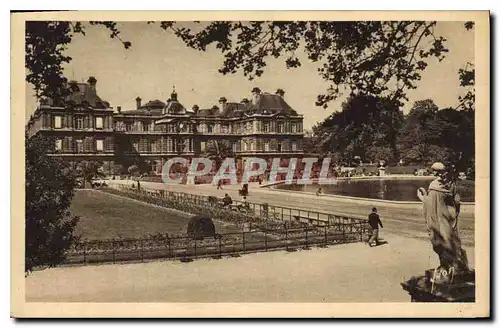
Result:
<point x="281" y="93"/>
<point x="255" y="95"/>
<point x="92" y="83"/>
<point x="138" y="102"/>
<point x="119" y="109"/>
<point x="196" y="109"/>
<point x="223" y="101"/>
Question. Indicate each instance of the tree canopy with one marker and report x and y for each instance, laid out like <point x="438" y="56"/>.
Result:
<point x="50" y="187"/>
<point x="382" y="58"/>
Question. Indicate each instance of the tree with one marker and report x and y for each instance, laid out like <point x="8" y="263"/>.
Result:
<point x="419" y="132"/>
<point x="218" y="150"/>
<point x="50" y="187"/>
<point x="311" y="143"/>
<point x="133" y="170"/>
<point x="366" y="126"/>
<point x="382" y="58"/>
<point x="118" y="169"/>
<point x="445" y="135"/>
<point x="89" y="170"/>
<point x="466" y="76"/>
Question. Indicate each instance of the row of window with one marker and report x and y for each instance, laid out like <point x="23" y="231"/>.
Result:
<point x="262" y="145"/>
<point x="162" y="145"/>
<point x="238" y="128"/>
<point x="85" y="145"/>
<point x="79" y="122"/>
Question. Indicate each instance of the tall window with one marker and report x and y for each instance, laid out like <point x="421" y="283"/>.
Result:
<point x="145" y="126"/>
<point x="203" y="146"/>
<point x="154" y="147"/>
<point x="59" y="145"/>
<point x="57" y="122"/>
<point x="79" y="146"/>
<point x="169" y="145"/>
<point x="266" y="145"/>
<point x="265" y="127"/>
<point x="235" y="147"/>
<point x="128" y="127"/>
<point x="79" y="123"/>
<point x="280" y="127"/>
<point x="210" y="128"/>
<point x="99" y="145"/>
<point x="98" y="123"/>
<point x="294" y="146"/>
<point x="294" y="127"/>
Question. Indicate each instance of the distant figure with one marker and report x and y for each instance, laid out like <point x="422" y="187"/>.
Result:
<point x="219" y="185"/>
<point x="374" y="221"/>
<point x="226" y="200"/>
<point x="245" y="202"/>
<point x="260" y="180"/>
<point x="319" y="192"/>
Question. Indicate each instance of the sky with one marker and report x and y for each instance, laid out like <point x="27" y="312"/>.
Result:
<point x="158" y="60"/>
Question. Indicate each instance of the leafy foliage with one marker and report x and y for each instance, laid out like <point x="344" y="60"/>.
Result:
<point x="50" y="187"/>
<point x="218" y="150"/>
<point x="446" y="135"/>
<point x="46" y="42"/>
<point x="364" y="57"/>
<point x="366" y="127"/>
<point x="89" y="169"/>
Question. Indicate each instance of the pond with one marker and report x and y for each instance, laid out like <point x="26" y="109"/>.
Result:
<point x="388" y="189"/>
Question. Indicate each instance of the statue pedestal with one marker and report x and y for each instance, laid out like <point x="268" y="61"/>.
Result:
<point x="462" y="289"/>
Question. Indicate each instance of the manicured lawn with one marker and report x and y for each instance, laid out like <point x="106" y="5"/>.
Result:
<point x="104" y="216"/>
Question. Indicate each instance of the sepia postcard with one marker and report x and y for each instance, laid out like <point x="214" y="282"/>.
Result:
<point x="232" y="164"/>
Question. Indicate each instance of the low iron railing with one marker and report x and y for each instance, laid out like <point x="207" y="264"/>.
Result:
<point x="263" y="227"/>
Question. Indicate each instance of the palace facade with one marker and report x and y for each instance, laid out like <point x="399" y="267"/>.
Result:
<point x="88" y="128"/>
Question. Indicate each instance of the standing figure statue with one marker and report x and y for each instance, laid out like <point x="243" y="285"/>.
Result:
<point x="441" y="208"/>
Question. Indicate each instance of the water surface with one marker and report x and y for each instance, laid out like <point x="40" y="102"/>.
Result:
<point x="388" y="189"/>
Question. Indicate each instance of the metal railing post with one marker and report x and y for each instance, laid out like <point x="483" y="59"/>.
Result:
<point x="84" y="253"/>
<point x="220" y="246"/>
<point x="265" y="238"/>
<point x="307" y="242"/>
<point x="114" y="252"/>
<point x="142" y="250"/>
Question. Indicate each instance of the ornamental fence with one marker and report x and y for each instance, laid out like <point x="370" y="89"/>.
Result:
<point x="263" y="227"/>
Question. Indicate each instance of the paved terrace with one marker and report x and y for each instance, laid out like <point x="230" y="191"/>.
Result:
<point x="403" y="219"/>
<point x="340" y="273"/>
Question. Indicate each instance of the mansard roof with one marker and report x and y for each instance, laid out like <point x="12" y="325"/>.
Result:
<point x="270" y="104"/>
<point x="84" y="94"/>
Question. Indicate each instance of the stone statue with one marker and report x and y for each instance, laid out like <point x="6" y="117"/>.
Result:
<point x="441" y="208"/>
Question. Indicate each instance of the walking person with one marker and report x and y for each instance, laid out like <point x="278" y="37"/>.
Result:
<point x="374" y="222"/>
<point x="219" y="185"/>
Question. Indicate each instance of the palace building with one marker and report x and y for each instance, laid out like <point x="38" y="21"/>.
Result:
<point x="85" y="127"/>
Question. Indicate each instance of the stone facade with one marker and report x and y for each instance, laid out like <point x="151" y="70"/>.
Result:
<point x="87" y="128"/>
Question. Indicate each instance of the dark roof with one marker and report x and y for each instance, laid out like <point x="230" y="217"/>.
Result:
<point x="271" y="104"/>
<point x="266" y="104"/>
<point x="208" y="112"/>
<point x="174" y="107"/>
<point x="84" y="93"/>
<point x="154" y="104"/>
<point x="144" y="112"/>
<point x="230" y="108"/>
